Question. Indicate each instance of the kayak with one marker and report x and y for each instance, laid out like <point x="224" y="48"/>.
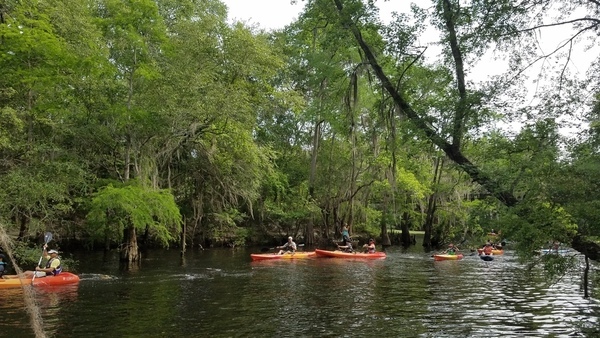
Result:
<point x="342" y="254"/>
<point x="13" y="281"/>
<point x="487" y="258"/>
<point x="271" y="256"/>
<point x="444" y="257"/>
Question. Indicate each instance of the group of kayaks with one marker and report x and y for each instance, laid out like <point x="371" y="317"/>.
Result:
<point x="356" y="255"/>
<point x="319" y="253"/>
<point x="14" y="281"/>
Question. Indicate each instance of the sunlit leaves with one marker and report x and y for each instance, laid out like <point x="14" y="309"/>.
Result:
<point x="114" y="209"/>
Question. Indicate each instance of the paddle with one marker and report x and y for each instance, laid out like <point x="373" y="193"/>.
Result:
<point x="269" y="249"/>
<point x="47" y="238"/>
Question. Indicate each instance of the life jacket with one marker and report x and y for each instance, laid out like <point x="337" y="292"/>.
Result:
<point x="290" y="247"/>
<point x="57" y="270"/>
<point x="371" y="249"/>
<point x="487" y="249"/>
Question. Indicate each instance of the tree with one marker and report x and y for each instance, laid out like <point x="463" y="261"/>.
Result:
<point x="118" y="212"/>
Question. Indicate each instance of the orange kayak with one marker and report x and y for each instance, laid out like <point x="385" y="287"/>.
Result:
<point x="342" y="254"/>
<point x="270" y="256"/>
<point x="447" y="257"/>
<point x="13" y="281"/>
<point x="496" y="252"/>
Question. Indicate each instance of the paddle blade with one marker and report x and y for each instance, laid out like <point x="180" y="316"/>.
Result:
<point x="47" y="237"/>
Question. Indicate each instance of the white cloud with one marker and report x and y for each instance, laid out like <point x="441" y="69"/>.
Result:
<point x="267" y="14"/>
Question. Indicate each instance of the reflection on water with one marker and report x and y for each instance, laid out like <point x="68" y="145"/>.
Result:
<point x="223" y="294"/>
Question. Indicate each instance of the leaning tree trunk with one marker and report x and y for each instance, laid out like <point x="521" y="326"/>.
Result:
<point x="452" y="150"/>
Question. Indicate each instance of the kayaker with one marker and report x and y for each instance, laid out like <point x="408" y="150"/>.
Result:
<point x="452" y="250"/>
<point x="290" y="246"/>
<point x="52" y="267"/>
<point x="487" y="249"/>
<point x="370" y="248"/>
<point x="2" y="265"/>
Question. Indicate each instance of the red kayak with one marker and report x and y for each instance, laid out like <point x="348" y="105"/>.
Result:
<point x="63" y="278"/>
<point x="342" y="254"/>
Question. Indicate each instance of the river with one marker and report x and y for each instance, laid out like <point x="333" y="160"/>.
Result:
<point x="222" y="293"/>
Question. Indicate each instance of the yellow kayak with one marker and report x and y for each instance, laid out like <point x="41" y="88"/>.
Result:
<point x="444" y="257"/>
<point x="295" y="255"/>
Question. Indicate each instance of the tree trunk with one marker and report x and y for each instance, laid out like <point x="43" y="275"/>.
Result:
<point x="405" y="226"/>
<point x="313" y="159"/>
<point x="429" y="217"/>
<point x="309" y="234"/>
<point x="432" y="203"/>
<point x="182" y="239"/>
<point x="22" y="227"/>
<point x="385" y="238"/>
<point x="130" y="252"/>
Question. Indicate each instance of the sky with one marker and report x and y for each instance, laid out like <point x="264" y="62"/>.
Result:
<point x="274" y="14"/>
<point x="268" y="14"/>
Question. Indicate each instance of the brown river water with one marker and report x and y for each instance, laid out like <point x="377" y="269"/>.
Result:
<point x="222" y="293"/>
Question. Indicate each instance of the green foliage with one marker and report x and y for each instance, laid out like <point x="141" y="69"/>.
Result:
<point x="43" y="194"/>
<point x="543" y="225"/>
<point x="113" y="209"/>
<point x="369" y="224"/>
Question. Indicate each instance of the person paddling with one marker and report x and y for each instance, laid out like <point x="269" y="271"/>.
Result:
<point x="452" y="250"/>
<point x="487" y="249"/>
<point x="290" y="247"/>
<point x="370" y="248"/>
<point x="52" y="267"/>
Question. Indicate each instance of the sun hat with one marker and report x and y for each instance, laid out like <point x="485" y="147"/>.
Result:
<point x="52" y="251"/>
